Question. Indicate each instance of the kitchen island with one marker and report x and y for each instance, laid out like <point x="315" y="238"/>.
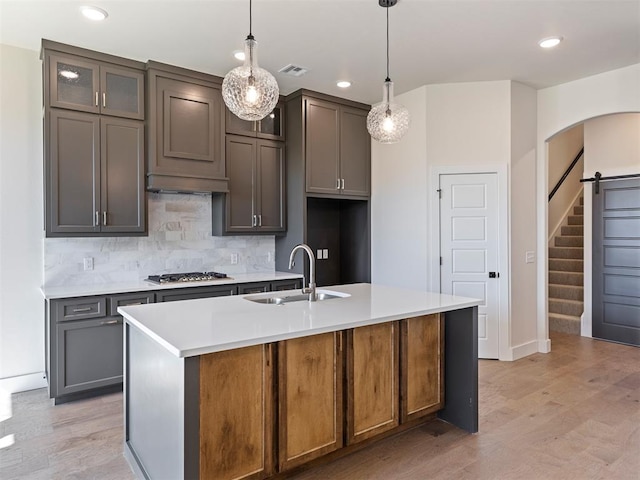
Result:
<point x="234" y="388"/>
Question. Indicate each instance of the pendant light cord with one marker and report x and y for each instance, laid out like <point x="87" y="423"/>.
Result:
<point x="387" y="79"/>
<point x="250" y="36"/>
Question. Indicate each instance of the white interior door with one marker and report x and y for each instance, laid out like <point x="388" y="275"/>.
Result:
<point x="469" y="248"/>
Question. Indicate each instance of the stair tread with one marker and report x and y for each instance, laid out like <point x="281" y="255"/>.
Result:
<point x="562" y="285"/>
<point x="562" y="315"/>
<point x="577" y="302"/>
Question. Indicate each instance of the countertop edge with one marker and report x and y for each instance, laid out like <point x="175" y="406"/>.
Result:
<point x="57" y="292"/>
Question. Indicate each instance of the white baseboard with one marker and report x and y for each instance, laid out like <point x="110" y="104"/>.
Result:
<point x="524" y="350"/>
<point x="22" y="383"/>
<point x="544" y="346"/>
<point x="585" y="326"/>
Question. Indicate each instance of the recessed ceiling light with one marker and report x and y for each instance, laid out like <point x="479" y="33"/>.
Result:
<point x="94" y="13"/>
<point x="344" y="84"/>
<point x="239" y="55"/>
<point x="550" y="42"/>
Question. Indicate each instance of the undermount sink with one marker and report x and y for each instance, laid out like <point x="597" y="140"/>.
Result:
<point x="297" y="297"/>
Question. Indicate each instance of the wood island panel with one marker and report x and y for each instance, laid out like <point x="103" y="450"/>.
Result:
<point x="310" y="398"/>
<point x="372" y="376"/>
<point x="422" y="364"/>
<point x="236" y="414"/>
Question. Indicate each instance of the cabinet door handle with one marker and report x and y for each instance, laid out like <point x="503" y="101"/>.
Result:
<point x="80" y="310"/>
<point x="260" y="220"/>
<point x="104" y="100"/>
<point x="254" y="222"/>
<point x="342" y="183"/>
<point x="97" y="220"/>
<point x="268" y="354"/>
<point x="110" y="322"/>
<point x="104" y="218"/>
<point x="97" y="104"/>
<point x="337" y="184"/>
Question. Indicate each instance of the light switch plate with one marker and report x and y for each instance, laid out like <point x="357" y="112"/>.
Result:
<point x="530" y="257"/>
<point x="325" y="253"/>
<point x="319" y="254"/>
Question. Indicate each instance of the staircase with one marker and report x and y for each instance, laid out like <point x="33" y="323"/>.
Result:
<point x="566" y="277"/>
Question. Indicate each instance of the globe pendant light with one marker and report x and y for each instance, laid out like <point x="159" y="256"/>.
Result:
<point x="250" y="92"/>
<point x="388" y="121"/>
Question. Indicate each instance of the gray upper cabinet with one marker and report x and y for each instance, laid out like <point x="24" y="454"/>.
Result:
<point x="355" y="152"/>
<point x="78" y="83"/>
<point x="94" y="175"/>
<point x="93" y="143"/>
<point x="337" y="149"/>
<point x="270" y="127"/>
<point x="256" y="200"/>
<point x="186" y="131"/>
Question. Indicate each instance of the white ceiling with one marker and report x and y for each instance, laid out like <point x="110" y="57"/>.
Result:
<point x="432" y="41"/>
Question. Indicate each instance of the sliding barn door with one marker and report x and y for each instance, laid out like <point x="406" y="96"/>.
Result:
<point x="616" y="261"/>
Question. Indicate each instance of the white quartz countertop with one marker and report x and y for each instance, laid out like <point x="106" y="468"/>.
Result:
<point x="144" y="286"/>
<point x="196" y="327"/>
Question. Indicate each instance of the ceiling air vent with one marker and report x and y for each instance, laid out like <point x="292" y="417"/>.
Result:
<point x="293" y="70"/>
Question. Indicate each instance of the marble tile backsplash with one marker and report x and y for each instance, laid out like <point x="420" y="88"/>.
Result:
<point x="179" y="241"/>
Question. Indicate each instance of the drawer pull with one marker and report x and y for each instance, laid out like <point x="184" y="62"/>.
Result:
<point x="132" y="304"/>
<point x="80" y="310"/>
<point x="110" y="322"/>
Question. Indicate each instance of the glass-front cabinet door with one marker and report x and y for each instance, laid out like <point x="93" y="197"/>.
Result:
<point x="270" y="127"/>
<point x="122" y="92"/>
<point x="74" y="84"/>
<point x="94" y="87"/>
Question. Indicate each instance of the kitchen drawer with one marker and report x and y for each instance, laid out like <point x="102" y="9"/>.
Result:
<point x="280" y="285"/>
<point x="127" y="299"/>
<point x="80" y="308"/>
<point x="257" y="287"/>
<point x="195" y="292"/>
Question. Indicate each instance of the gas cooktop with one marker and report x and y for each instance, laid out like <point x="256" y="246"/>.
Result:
<point x="186" y="277"/>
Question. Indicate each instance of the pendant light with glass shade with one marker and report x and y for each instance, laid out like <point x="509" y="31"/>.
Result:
<point x="250" y="92"/>
<point x="388" y="121"/>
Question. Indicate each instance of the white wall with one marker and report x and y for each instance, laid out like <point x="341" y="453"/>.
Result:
<point x="21" y="304"/>
<point x="523" y="209"/>
<point x="399" y="203"/>
<point x="475" y="126"/>
<point x="612" y="144"/>
<point x="562" y="149"/>
<point x="559" y="108"/>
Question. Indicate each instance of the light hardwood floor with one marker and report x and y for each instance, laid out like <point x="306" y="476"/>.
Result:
<point x="570" y="414"/>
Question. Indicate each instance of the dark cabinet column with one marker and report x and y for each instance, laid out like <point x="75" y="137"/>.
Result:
<point x="73" y="186"/>
<point x="322" y="146"/>
<point x="122" y="175"/>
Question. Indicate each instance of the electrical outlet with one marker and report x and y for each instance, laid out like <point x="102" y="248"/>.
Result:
<point x="234" y="259"/>
<point x="325" y="253"/>
<point x="88" y="263"/>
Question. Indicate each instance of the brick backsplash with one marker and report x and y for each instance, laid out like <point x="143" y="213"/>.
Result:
<point x="179" y="240"/>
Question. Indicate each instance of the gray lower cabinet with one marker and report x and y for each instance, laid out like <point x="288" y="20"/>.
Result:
<point x="89" y="354"/>
<point x="84" y="336"/>
<point x="94" y="178"/>
<point x="255" y="203"/>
